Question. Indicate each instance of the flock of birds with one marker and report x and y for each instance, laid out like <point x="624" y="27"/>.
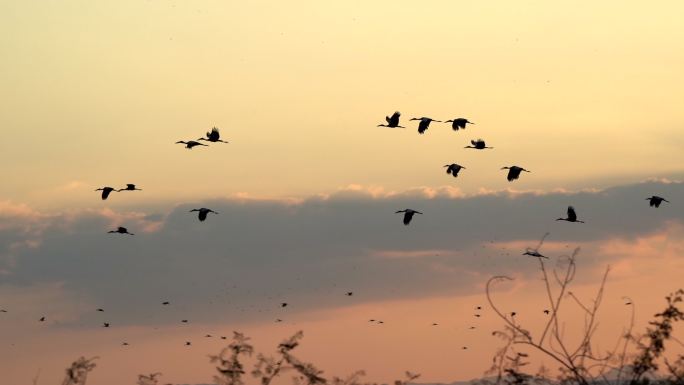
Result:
<point x="452" y="169"/>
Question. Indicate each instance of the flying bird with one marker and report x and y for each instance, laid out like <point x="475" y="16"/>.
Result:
<point x="458" y="123"/>
<point x="546" y="311"/>
<point x="207" y="336"/>
<point x="478" y="144"/>
<point x="184" y="321"/>
<point x="655" y="201"/>
<point x="42" y="319"/>
<point x="3" y="311"/>
<point x="514" y="172"/>
<point x="190" y="144"/>
<point x="166" y="303"/>
<point x="453" y="169"/>
<point x="278" y="320"/>
<point x="124" y="344"/>
<point x="187" y="343"/>
<point x="105" y="191"/>
<point x="408" y="215"/>
<point x="129" y="187"/>
<point x="100" y="309"/>
<point x="534" y="252"/>
<point x="349" y="294"/>
<point x="213" y="136"/>
<point x="392" y="121"/>
<point x="424" y="124"/>
<point x="572" y="216"/>
<point x="120" y="230"/>
<point x="203" y="213"/>
<point x="105" y="324"/>
<point x="284" y="304"/>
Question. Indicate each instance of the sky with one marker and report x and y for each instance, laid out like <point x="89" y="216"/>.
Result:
<point x="93" y="93"/>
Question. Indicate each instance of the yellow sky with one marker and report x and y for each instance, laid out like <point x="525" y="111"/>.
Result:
<point x="98" y="92"/>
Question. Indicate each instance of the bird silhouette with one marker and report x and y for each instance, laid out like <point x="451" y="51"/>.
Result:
<point x="546" y="311"/>
<point x="424" y="124"/>
<point x="207" y="336"/>
<point x="42" y="319"/>
<point x="166" y="303"/>
<point x="213" y="136"/>
<point x="3" y="311"/>
<point x="120" y="230"/>
<point x="435" y="324"/>
<point x="453" y="169"/>
<point x="478" y="144"/>
<point x="203" y="213"/>
<point x="187" y="343"/>
<point x="105" y="191"/>
<point x="184" y="321"/>
<point x="100" y="309"/>
<point x="129" y="187"/>
<point x="190" y="144"/>
<point x="514" y="172"/>
<point x="124" y="344"/>
<point x="349" y="294"/>
<point x="458" y="123"/>
<point x="408" y="215"/>
<point x="105" y="324"/>
<point x="572" y="216"/>
<point x="284" y="304"/>
<point x="392" y="121"/>
<point x="534" y="252"/>
<point x="655" y="201"/>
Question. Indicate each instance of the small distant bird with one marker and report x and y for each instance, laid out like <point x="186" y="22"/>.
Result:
<point x="424" y="124"/>
<point x="408" y="215"/>
<point x="478" y="144"/>
<point x="120" y="230"/>
<point x="435" y="324"/>
<point x="125" y="344"/>
<point x="655" y="201"/>
<point x="514" y="172"/>
<point x="3" y="311"/>
<point x="472" y="327"/>
<point x="166" y="303"/>
<point x="513" y="314"/>
<point x="106" y="324"/>
<point x="546" y="311"/>
<point x="349" y="294"/>
<point x="190" y="144"/>
<point x="572" y="216"/>
<point x="392" y="121"/>
<point x="535" y="252"/>
<point x="453" y="169"/>
<point x="278" y="320"/>
<point x="203" y="213"/>
<point x="381" y="322"/>
<point x="105" y="191"/>
<point x="207" y="336"/>
<point x="479" y="308"/>
<point x="100" y="309"/>
<point x="464" y="348"/>
<point x="184" y="321"/>
<point x="284" y="304"/>
<point x="371" y="320"/>
<point x="187" y="343"/>
<point x="42" y="319"/>
<point x="213" y="136"/>
<point x="129" y="187"/>
<point x="223" y="337"/>
<point x="477" y="315"/>
<point x="458" y="123"/>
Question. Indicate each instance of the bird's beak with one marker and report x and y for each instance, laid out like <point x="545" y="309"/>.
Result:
<point x="448" y="121"/>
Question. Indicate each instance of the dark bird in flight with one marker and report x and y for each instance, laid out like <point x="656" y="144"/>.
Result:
<point x="120" y="230"/>
<point x="477" y="315"/>
<point x="278" y="320"/>
<point x="424" y="124"/>
<point x="184" y="321"/>
<point x="166" y="303"/>
<point x="105" y="324"/>
<point x="472" y="327"/>
<point x="190" y="144"/>
<point x="458" y="123"/>
<point x="100" y="309"/>
<point x="371" y="320"/>
<point x="514" y="172"/>
<point x="223" y="337"/>
<point x="535" y="252"/>
<point x="284" y="304"/>
<point x="213" y="136"/>
<point x="349" y="294"/>
<point x="105" y="191"/>
<point x="479" y="308"/>
<point x="513" y="314"/>
<point x="408" y="215"/>
<point x="124" y="344"/>
<point x="42" y="319"/>
<point x="203" y="213"/>
<point x="207" y="336"/>
<point x="572" y="216"/>
<point x="129" y="187"/>
<point x="478" y="144"/>
<point x="435" y="324"/>
<point x="464" y="348"/>
<point x="187" y="343"/>
<point x="3" y="311"/>
<point x="546" y="311"/>
<point x="655" y="201"/>
<point x="453" y="169"/>
<point x="392" y="121"/>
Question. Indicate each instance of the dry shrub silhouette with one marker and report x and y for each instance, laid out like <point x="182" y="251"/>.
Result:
<point x="633" y="360"/>
<point x="77" y="373"/>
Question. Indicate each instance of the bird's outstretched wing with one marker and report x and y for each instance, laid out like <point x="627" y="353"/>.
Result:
<point x="541" y="241"/>
<point x="572" y="215"/>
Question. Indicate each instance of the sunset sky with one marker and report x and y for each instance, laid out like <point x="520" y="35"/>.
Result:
<point x="587" y="96"/>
